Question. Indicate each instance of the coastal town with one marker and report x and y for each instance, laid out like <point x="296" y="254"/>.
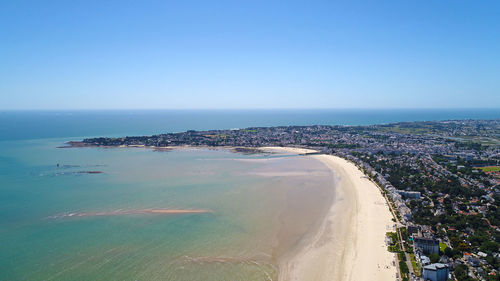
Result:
<point x="441" y="181"/>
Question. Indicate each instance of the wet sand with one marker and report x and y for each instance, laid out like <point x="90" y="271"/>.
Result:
<point x="350" y="242"/>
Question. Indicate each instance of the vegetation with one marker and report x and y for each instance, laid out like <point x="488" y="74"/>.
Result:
<point x="461" y="273"/>
<point x="442" y="246"/>
<point x="403" y="268"/>
<point x="416" y="268"/>
<point x="394" y="247"/>
<point x="490" y="168"/>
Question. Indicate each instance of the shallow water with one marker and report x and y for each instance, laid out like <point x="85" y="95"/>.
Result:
<point x="260" y="207"/>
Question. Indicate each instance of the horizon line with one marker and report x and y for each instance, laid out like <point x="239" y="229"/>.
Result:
<point x="250" y="109"/>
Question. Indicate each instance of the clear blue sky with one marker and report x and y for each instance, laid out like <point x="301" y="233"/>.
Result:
<point x="254" y="54"/>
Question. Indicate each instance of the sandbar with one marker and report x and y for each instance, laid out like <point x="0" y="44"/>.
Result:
<point x="133" y="212"/>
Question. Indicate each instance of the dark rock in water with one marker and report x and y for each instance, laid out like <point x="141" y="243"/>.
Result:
<point x="90" y="172"/>
<point x="248" y="150"/>
<point x="71" y="144"/>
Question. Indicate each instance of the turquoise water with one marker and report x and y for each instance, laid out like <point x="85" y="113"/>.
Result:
<point x="258" y="215"/>
<point x="241" y="240"/>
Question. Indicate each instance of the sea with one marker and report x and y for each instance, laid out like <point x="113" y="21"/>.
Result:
<point x="97" y="213"/>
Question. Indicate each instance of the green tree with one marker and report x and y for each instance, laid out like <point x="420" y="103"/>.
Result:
<point x="448" y="252"/>
<point x="463" y="247"/>
<point x="461" y="273"/>
<point x="489" y="246"/>
<point x="434" y="258"/>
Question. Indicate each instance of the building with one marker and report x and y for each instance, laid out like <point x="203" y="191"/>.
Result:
<point x="474" y="262"/>
<point x="436" y="272"/>
<point x="425" y="260"/>
<point x="412" y="229"/>
<point x="409" y="194"/>
<point x="426" y="245"/>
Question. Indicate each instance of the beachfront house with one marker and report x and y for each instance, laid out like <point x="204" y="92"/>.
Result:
<point x="436" y="272"/>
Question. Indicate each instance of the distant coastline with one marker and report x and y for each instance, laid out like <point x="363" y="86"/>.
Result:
<point x="41" y="124"/>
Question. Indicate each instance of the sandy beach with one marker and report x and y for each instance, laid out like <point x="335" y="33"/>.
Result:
<point x="350" y="242"/>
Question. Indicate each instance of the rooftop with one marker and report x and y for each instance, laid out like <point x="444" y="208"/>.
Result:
<point x="435" y="266"/>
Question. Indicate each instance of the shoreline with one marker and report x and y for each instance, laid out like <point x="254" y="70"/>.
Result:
<point x="235" y="149"/>
<point x="350" y="242"/>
